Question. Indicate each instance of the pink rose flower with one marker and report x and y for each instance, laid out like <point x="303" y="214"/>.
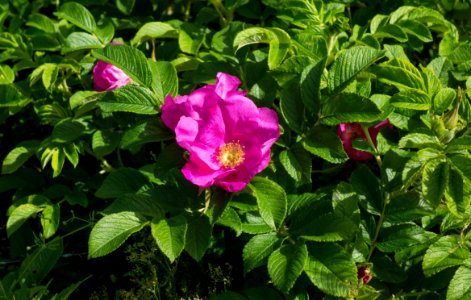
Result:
<point x="350" y="131"/>
<point x="107" y="77"/>
<point x="227" y="136"/>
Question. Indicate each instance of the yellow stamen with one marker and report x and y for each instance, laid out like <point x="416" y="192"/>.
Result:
<point x="231" y="155"/>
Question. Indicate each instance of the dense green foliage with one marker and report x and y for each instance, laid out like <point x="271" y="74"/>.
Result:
<point x="95" y="176"/>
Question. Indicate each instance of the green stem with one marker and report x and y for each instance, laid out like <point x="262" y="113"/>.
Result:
<point x="378" y="227"/>
<point x="372" y="144"/>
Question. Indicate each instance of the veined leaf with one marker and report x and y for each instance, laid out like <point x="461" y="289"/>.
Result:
<point x="130" y="60"/>
<point x="349" y="108"/>
<point x="278" y="40"/>
<point x="443" y="100"/>
<point x="37" y="265"/>
<point x="434" y="181"/>
<point x="170" y="235"/>
<point x="400" y="73"/>
<point x="153" y="30"/>
<point x="112" y="231"/>
<point x="447" y="252"/>
<point x="332" y="269"/>
<point x="19" y="155"/>
<point x="130" y="98"/>
<point x="322" y="142"/>
<point x="411" y="99"/>
<point x="349" y="63"/>
<point x="286" y="264"/>
<point x="198" y="236"/>
<point x="120" y="182"/>
<point x="80" y="41"/>
<point x="310" y="85"/>
<point x="19" y="215"/>
<point x="78" y="15"/>
<point x="50" y="219"/>
<point x="257" y="250"/>
<point x="419" y="140"/>
<point x="271" y="200"/>
<point x="459" y="287"/>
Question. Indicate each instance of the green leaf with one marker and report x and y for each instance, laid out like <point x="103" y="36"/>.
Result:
<point x="125" y="6"/>
<point x="147" y="132"/>
<point x="122" y="181"/>
<point x="291" y="106"/>
<point x="78" y="15"/>
<point x="366" y="185"/>
<point x="443" y="100"/>
<point x="130" y="98"/>
<point x="153" y="30"/>
<point x="197" y="236"/>
<point x="257" y="250"/>
<point x="411" y="99"/>
<point x="19" y="155"/>
<point x="50" y="219"/>
<point x="349" y="63"/>
<point x="19" y="216"/>
<point x="67" y="130"/>
<point x="170" y="235"/>
<point x="462" y="163"/>
<point x="41" y="22"/>
<point x="387" y="270"/>
<point x="49" y="75"/>
<point x="460" y="143"/>
<point x="297" y="163"/>
<point x="419" y="140"/>
<point x="104" y="142"/>
<point x="132" y="61"/>
<point x="417" y="29"/>
<point x="447" y="252"/>
<point x="271" y="201"/>
<point x="349" y="108"/>
<point x="434" y="181"/>
<point x="278" y="40"/>
<point x="112" y="231"/>
<point x="65" y="293"/>
<point x="231" y="219"/>
<point x="310" y="85"/>
<point x="454" y="191"/>
<point x="416" y="163"/>
<point x="404" y="236"/>
<point x="57" y="161"/>
<point x="142" y="204"/>
<point x="391" y="31"/>
<point x="7" y="75"/>
<point x="80" y="41"/>
<point x="37" y="265"/>
<point x="322" y="142"/>
<point x="286" y="264"/>
<point x="332" y="270"/>
<point x="459" y="287"/>
<point x="165" y="80"/>
<point x="400" y="73"/>
<point x="328" y="228"/>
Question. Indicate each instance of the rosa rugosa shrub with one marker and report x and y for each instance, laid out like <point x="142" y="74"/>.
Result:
<point x="227" y="136"/>
<point x="224" y="149"/>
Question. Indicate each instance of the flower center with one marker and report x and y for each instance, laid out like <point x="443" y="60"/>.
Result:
<point x="231" y="155"/>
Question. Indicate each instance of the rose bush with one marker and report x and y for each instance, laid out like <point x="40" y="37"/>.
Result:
<point x="190" y="183"/>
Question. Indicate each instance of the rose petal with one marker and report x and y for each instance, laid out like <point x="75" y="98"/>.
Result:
<point x="226" y="85"/>
<point x="199" y="173"/>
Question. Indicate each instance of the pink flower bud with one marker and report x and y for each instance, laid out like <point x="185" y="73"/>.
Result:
<point x="350" y="131"/>
<point x="107" y="77"/>
<point x="364" y="274"/>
